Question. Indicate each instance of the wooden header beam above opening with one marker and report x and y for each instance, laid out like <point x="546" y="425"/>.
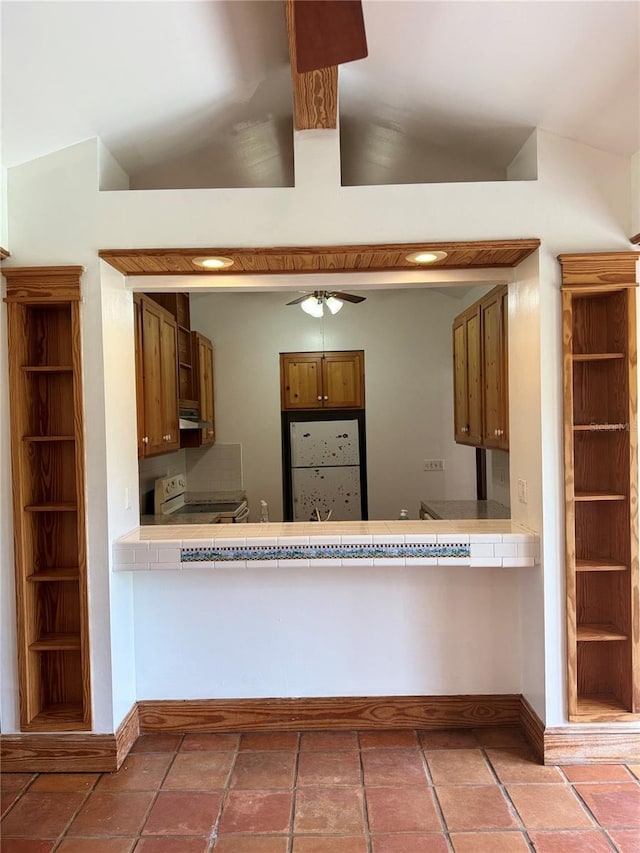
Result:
<point x="313" y="259"/>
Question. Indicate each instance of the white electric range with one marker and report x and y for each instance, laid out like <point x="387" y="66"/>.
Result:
<point x="176" y="506"/>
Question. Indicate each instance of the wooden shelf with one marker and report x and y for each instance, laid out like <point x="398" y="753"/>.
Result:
<point x="601" y="482"/>
<point x="599" y="496"/>
<point x="600" y="708"/>
<point x="55" y="718"/>
<point x="598" y="633"/>
<point x="56" y="642"/>
<point x="47" y="455"/>
<point x="46" y="438"/>
<point x="599" y="428"/>
<point x="64" y="506"/>
<point x="55" y="574"/>
<point x="597" y="356"/>
<point x="583" y="565"/>
<point x="48" y="368"/>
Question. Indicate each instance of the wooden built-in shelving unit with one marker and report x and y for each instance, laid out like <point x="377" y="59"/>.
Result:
<point x="47" y="454"/>
<point x="601" y="486"/>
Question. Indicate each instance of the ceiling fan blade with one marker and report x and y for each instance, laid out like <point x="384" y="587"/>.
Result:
<point x="348" y="297"/>
<point x="300" y="299"/>
<point x="328" y="32"/>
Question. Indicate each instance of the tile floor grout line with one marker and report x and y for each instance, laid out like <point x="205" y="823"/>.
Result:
<point x="431" y="784"/>
<point x="597" y="823"/>
<point x="294" y="795"/>
<point x="365" y="809"/>
<point x="138" y="836"/>
<point x="63" y="834"/>
<point x="226" y="790"/>
<point x="505" y="793"/>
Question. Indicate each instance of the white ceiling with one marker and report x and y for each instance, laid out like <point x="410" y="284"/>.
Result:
<point x="199" y="93"/>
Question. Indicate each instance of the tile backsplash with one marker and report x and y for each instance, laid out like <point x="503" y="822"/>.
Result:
<point x="215" y="469"/>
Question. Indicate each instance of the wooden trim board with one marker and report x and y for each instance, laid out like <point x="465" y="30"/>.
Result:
<point x="592" y="744"/>
<point x="309" y="714"/>
<point x="66" y="753"/>
<point x="69" y="753"/>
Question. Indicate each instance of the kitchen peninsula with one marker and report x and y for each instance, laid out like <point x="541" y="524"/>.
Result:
<point x="477" y="544"/>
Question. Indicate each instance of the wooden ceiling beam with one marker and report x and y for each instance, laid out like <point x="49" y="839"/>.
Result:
<point x="315" y="93"/>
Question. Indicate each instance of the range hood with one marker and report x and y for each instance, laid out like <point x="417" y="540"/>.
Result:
<point x="190" y="419"/>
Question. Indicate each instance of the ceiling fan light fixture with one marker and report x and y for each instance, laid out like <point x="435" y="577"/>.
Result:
<point x="214" y="262"/>
<point x="333" y="304"/>
<point x="425" y="257"/>
<point x="313" y="306"/>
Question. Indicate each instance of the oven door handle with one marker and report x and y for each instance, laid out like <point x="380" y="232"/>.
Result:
<point x="243" y="514"/>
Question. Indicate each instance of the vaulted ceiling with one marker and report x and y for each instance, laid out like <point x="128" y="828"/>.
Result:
<point x="197" y="94"/>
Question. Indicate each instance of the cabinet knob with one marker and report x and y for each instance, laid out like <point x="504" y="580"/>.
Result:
<point x="319" y="397"/>
<point x="145" y="440"/>
<point x="326" y="397"/>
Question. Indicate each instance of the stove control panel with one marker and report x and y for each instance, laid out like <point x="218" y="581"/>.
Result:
<point x="168" y="488"/>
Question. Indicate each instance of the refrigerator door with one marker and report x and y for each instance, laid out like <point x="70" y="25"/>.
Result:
<point x="335" y="489"/>
<point x="320" y="443"/>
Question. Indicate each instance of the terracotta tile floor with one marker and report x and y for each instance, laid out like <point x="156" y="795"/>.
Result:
<point x="326" y="792"/>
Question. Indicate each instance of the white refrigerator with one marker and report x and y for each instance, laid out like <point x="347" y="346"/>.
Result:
<point x="325" y="470"/>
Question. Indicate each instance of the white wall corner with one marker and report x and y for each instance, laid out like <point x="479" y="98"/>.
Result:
<point x="524" y="166"/>
<point x="4" y="213"/>
<point x="111" y="175"/>
<point x="316" y="157"/>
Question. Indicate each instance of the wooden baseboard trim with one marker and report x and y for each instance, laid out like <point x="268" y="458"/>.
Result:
<point x="344" y="712"/>
<point x="126" y="734"/>
<point x="592" y="744"/>
<point x="533" y="728"/>
<point x="51" y="752"/>
<point x="98" y="753"/>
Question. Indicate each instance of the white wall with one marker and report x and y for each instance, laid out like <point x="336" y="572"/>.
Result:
<point x="327" y="632"/>
<point x="635" y="194"/>
<point x="406" y="338"/>
<point x="580" y="202"/>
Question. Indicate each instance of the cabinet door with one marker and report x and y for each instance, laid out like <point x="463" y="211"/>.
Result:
<point x="301" y="381"/>
<point x="494" y="421"/>
<point x="204" y="363"/>
<point x="169" y="383"/>
<point x="460" y="407"/>
<point x="467" y="392"/>
<point x="152" y="322"/>
<point x="137" y="319"/>
<point x="343" y="380"/>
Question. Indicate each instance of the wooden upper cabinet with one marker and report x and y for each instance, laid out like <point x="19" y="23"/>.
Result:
<point x="495" y="421"/>
<point x="158" y="371"/>
<point x="314" y="380"/>
<point x="343" y="380"/>
<point x="202" y="349"/>
<point x="480" y="373"/>
<point x="466" y="378"/>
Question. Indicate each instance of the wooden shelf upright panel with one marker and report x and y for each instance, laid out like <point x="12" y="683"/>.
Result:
<point x="601" y="486"/>
<point x="47" y="457"/>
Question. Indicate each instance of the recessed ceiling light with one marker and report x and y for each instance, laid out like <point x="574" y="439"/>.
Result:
<point x="216" y="262"/>
<point x="425" y="257"/>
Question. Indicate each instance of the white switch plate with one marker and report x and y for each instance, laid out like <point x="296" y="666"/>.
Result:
<point x="522" y="491"/>
<point x="433" y="465"/>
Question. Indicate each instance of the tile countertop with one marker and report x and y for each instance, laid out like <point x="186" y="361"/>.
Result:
<point x="465" y="509"/>
<point x="474" y="543"/>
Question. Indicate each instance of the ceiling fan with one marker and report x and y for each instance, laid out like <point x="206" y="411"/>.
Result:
<point x="313" y="303"/>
